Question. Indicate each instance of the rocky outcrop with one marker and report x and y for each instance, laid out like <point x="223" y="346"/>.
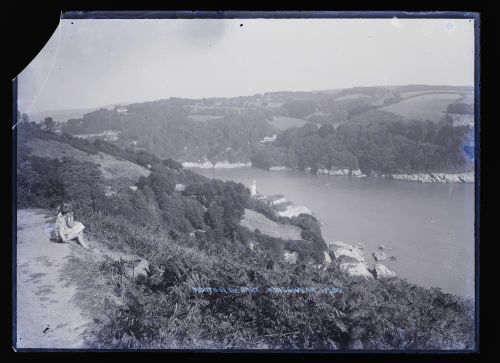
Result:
<point x="294" y="211"/>
<point x="467" y="177"/>
<point x="379" y="256"/>
<point x="356" y="269"/>
<point x="218" y="165"/>
<point x="341" y="172"/>
<point x="328" y="259"/>
<point x="279" y="168"/>
<point x="335" y="172"/>
<point x="350" y="259"/>
<point x="382" y="272"/>
<point x="341" y="249"/>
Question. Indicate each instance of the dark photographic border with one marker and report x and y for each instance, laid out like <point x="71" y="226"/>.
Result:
<point x="283" y="14"/>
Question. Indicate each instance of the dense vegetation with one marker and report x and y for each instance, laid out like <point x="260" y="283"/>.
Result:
<point x="164" y="128"/>
<point x="461" y="108"/>
<point x="368" y="137"/>
<point x="378" y="146"/>
<point x="165" y="226"/>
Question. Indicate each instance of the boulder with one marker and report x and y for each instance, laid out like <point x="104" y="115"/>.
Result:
<point x="142" y="268"/>
<point x="290" y="257"/>
<point x="351" y="252"/>
<point x="356" y="269"/>
<point x="379" y="256"/>
<point x="382" y="272"/>
<point x="333" y="245"/>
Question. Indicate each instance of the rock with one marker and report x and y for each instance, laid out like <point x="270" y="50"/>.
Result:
<point x="379" y="256"/>
<point x="358" y="173"/>
<point x="332" y="245"/>
<point x="381" y="247"/>
<point x="328" y="259"/>
<point x="355" y="344"/>
<point x="393" y="258"/>
<point x="291" y="257"/>
<point x="360" y="246"/>
<point x="142" y="268"/>
<point x="356" y="269"/>
<point x="294" y="211"/>
<point x="382" y="272"/>
<point x="351" y="252"/>
<point x="467" y="177"/>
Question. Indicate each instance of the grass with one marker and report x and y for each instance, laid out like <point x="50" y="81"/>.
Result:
<point x="424" y="107"/>
<point x="203" y="118"/>
<point x="409" y="94"/>
<point x="253" y="220"/>
<point x="351" y="97"/>
<point x="284" y="122"/>
<point x="110" y="166"/>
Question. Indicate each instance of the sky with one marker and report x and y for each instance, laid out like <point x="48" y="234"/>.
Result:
<point x="91" y="63"/>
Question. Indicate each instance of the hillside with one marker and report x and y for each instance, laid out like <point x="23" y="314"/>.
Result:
<point x="230" y="130"/>
<point x="427" y="106"/>
<point x="62" y="116"/>
<point x="110" y="166"/>
<point x="201" y="263"/>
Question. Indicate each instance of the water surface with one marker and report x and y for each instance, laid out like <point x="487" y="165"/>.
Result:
<point x="428" y="227"/>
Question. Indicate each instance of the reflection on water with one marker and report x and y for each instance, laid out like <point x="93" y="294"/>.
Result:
<point x="428" y="227"/>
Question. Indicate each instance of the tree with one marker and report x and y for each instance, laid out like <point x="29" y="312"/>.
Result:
<point x="326" y="130"/>
<point x="49" y="124"/>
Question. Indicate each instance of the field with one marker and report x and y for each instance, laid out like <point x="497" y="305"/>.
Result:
<point x="424" y="107"/>
<point x="283" y="122"/>
<point x="351" y="97"/>
<point x="253" y="220"/>
<point x="110" y="166"/>
<point x="203" y="118"/>
<point x="405" y="95"/>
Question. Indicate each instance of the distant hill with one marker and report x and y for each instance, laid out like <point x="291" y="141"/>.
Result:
<point x="65" y="115"/>
<point x="231" y="129"/>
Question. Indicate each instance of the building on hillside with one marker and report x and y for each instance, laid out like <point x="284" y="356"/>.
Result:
<point x="180" y="187"/>
<point x="268" y="139"/>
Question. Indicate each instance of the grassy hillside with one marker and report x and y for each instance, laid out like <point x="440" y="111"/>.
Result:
<point x="284" y="122"/>
<point x="429" y="106"/>
<point x="193" y="239"/>
<point x="110" y="166"/>
<point x="254" y="220"/>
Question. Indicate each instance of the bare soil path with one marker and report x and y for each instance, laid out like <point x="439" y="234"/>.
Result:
<point x="47" y="316"/>
<point x="56" y="307"/>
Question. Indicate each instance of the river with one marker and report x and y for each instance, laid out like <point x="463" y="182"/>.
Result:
<point x="429" y="228"/>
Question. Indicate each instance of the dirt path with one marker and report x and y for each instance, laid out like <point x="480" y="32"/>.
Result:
<point x="47" y="316"/>
<point x="56" y="307"/>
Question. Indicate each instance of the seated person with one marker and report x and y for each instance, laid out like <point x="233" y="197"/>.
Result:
<point x="66" y="228"/>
